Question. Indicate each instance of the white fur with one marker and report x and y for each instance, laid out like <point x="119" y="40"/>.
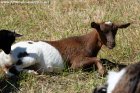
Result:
<point x="109" y="22"/>
<point x="5" y="59"/>
<point x="42" y="53"/>
<point x="113" y="79"/>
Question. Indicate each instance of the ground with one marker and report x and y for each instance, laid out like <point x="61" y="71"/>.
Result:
<point x="57" y="19"/>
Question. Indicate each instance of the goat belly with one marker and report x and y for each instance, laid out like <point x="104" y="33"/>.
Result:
<point x="51" y="61"/>
<point x="47" y="57"/>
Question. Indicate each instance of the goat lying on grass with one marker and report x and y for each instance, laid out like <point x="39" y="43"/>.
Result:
<point x="125" y="81"/>
<point x="81" y="51"/>
<point x="78" y="51"/>
<point x="28" y="53"/>
<point x="7" y="38"/>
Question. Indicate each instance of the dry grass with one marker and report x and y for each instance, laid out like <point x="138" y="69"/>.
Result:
<point x="58" y="19"/>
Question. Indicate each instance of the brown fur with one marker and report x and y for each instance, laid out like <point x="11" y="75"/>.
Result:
<point x="81" y="51"/>
<point x="130" y="82"/>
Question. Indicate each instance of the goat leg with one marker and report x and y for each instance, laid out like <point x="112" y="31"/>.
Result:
<point x="84" y="61"/>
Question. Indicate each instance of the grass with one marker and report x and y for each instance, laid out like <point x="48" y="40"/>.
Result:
<point x="58" y="19"/>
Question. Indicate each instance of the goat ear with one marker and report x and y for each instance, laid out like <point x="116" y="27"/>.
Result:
<point x="95" y="25"/>
<point x="17" y="35"/>
<point x="123" y="25"/>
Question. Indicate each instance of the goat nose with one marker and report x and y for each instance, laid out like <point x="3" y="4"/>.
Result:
<point x="111" y="44"/>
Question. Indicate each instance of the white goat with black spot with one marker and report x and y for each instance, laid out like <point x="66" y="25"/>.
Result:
<point x="24" y="54"/>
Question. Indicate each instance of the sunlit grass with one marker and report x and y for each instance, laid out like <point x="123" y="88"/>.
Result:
<point x="62" y="18"/>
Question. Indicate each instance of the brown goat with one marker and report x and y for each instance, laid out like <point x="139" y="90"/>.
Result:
<point x="125" y="81"/>
<point x="130" y="81"/>
<point x="81" y="51"/>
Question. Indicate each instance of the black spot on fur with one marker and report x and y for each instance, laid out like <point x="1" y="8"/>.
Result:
<point x="22" y="54"/>
<point x="19" y="62"/>
<point x="30" y="42"/>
